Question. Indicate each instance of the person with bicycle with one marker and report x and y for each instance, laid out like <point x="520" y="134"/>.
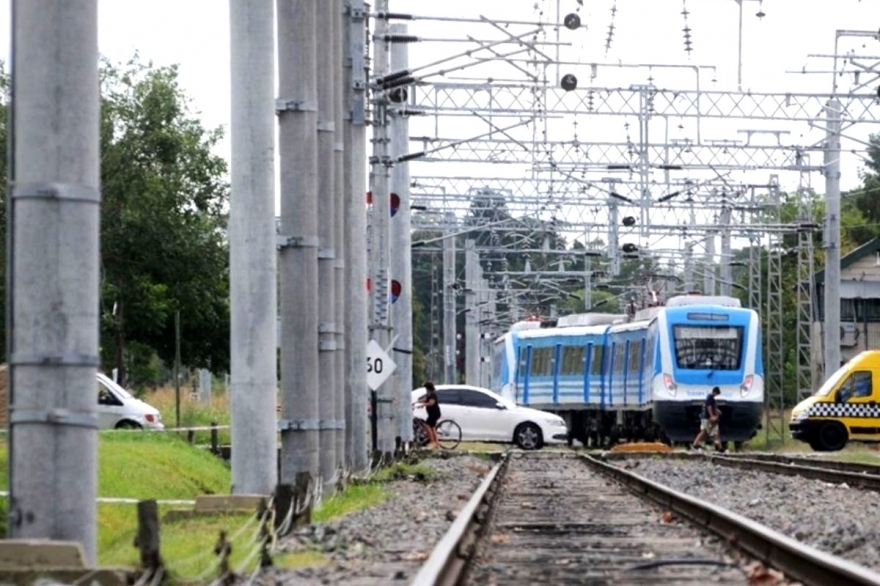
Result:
<point x="432" y="408"/>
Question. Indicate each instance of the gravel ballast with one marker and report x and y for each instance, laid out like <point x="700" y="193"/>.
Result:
<point x="834" y="518"/>
<point x="388" y="543"/>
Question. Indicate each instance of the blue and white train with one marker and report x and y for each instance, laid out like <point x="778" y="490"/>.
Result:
<point x="612" y="378"/>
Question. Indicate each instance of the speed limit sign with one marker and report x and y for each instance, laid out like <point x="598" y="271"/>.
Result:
<point x="379" y="365"/>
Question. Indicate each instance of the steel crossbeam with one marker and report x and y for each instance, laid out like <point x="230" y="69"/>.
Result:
<point x="459" y="99"/>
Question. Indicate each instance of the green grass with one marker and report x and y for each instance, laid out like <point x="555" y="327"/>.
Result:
<point x="163" y="467"/>
<point x="157" y="466"/>
<point x="355" y="498"/>
<point x="482" y="447"/>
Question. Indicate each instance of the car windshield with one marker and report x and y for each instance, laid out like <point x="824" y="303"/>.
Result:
<point x="118" y="389"/>
<point x="831" y="383"/>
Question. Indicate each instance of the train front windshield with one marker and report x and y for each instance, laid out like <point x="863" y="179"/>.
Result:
<point x="708" y="347"/>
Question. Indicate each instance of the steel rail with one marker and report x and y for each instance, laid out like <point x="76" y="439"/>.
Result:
<point x="450" y="556"/>
<point x="855" y="467"/>
<point x="796" y="560"/>
<point x="868" y="480"/>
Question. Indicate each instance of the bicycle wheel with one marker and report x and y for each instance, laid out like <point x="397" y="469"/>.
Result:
<point x="449" y="434"/>
<point x="420" y="438"/>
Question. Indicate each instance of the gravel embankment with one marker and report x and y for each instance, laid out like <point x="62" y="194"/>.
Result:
<point x="386" y="544"/>
<point x="834" y="518"/>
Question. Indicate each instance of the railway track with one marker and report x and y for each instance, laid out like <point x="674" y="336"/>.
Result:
<point x="566" y="519"/>
<point x="854" y="474"/>
<point x="815" y="462"/>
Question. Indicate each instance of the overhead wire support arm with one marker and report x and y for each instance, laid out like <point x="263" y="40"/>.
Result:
<point x="469" y="53"/>
<point x="481" y="20"/>
<point x="412" y="156"/>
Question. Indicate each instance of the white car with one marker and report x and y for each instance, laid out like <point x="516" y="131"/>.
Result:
<point x="485" y="416"/>
<point x="119" y="409"/>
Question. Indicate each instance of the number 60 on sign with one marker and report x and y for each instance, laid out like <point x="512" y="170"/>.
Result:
<point x="379" y="365"/>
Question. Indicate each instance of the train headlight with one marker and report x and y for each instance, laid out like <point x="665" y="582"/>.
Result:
<point x="746" y="387"/>
<point x="671" y="387"/>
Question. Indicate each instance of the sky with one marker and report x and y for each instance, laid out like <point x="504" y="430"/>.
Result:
<point x="195" y="35"/>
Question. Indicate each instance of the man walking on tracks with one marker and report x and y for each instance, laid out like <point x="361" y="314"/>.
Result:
<point x="709" y="422"/>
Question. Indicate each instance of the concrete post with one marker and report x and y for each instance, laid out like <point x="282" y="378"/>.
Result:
<point x="449" y="291"/>
<point x="471" y="329"/>
<point x="53" y="215"/>
<point x="357" y="300"/>
<point x="613" y="238"/>
<point x="339" y="232"/>
<point x="298" y="259"/>
<point x="380" y="169"/>
<point x="483" y="328"/>
<point x="831" y="242"/>
<point x="252" y="255"/>
<point x="326" y="251"/>
<point x="709" y="275"/>
<point x="688" y="281"/>
<point x="401" y="257"/>
<point x="726" y="252"/>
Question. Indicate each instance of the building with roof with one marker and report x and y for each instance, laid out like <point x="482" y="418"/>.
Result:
<point x="859" y="307"/>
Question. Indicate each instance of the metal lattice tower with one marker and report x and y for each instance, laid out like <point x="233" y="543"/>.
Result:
<point x="774" y="364"/>
<point x="805" y="286"/>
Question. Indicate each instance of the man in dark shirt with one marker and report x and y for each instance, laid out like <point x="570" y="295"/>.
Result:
<point x="709" y="422"/>
<point x="432" y="408"/>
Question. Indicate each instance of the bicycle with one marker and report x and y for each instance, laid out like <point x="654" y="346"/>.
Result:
<point x="448" y="433"/>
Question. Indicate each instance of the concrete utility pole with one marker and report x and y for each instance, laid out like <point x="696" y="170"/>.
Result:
<point x="357" y="300"/>
<point x="380" y="167"/>
<point x="483" y="329"/>
<point x="471" y="329"/>
<point x="253" y="263"/>
<point x="613" y="237"/>
<point x="52" y="280"/>
<point x="832" y="239"/>
<point x="297" y="110"/>
<point x="339" y="231"/>
<point x="326" y="251"/>
<point x="688" y="277"/>
<point x="401" y="258"/>
<point x="449" y="341"/>
<point x="726" y="252"/>
<point x="709" y="275"/>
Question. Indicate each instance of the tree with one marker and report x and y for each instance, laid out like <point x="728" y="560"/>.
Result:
<point x="163" y="247"/>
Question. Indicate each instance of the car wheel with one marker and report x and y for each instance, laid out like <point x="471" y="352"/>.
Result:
<point x="528" y="436"/>
<point x="128" y="424"/>
<point x="831" y="437"/>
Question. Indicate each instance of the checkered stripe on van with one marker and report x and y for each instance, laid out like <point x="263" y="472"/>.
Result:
<point x="844" y="410"/>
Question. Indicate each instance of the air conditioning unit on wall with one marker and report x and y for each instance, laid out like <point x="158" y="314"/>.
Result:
<point x="849" y="334"/>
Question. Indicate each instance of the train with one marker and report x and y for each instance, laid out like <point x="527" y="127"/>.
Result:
<point x="642" y="377"/>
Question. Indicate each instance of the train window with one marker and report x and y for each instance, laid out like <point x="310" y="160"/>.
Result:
<point x="635" y="353"/>
<point x="573" y="358"/>
<point x="596" y="362"/>
<point x="542" y="361"/>
<point x="708" y="347"/>
<point x="619" y="357"/>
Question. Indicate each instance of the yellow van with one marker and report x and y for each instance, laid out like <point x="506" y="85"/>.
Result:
<point x="846" y="407"/>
